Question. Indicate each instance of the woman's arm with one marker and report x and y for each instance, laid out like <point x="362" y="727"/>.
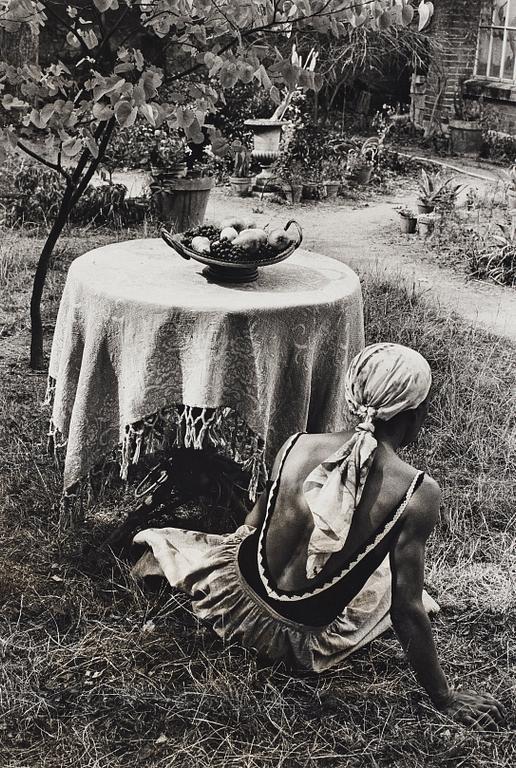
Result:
<point x="257" y="515"/>
<point x="411" y="621"/>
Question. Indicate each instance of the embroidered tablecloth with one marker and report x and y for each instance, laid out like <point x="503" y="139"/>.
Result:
<point x="147" y="353"/>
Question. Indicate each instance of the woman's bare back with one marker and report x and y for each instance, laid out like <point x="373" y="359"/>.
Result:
<point x="291" y="523"/>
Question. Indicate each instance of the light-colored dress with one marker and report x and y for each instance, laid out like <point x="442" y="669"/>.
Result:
<point x="206" y="567"/>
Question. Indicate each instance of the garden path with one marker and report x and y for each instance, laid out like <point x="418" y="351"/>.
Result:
<point x="366" y="236"/>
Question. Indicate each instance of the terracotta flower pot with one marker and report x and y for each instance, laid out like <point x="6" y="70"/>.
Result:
<point x="311" y="190"/>
<point x="511" y="198"/>
<point x="181" y="203"/>
<point x="241" y="185"/>
<point x="408" y="224"/>
<point x="466" y="137"/>
<point x="293" y="192"/>
<point x="363" y="175"/>
<point x="331" y="189"/>
<point x="426" y="225"/>
<point x="425" y="208"/>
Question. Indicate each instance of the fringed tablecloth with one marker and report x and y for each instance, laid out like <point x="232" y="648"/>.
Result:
<point x="148" y="354"/>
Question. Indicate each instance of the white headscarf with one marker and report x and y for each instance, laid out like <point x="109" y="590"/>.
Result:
<point x="382" y="381"/>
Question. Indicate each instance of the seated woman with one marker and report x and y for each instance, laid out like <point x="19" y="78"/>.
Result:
<point x="333" y="551"/>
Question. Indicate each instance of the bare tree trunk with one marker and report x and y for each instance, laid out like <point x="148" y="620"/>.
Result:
<point x="74" y="189"/>
<point x="37" y="358"/>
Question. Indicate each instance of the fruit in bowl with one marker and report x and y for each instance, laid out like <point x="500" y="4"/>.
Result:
<point x="235" y="248"/>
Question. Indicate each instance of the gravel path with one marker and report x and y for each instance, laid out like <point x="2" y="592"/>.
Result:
<point x="367" y="238"/>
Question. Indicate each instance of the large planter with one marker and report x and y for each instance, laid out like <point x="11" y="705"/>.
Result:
<point x="266" y="146"/>
<point x="241" y="185"/>
<point x="511" y="198"/>
<point x="181" y="203"/>
<point x="425" y="208"/>
<point x="465" y="137"/>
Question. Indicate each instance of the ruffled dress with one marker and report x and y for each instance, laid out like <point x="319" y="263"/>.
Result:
<point x="206" y="567"/>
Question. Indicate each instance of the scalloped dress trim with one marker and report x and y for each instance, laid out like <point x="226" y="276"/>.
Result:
<point x="290" y="596"/>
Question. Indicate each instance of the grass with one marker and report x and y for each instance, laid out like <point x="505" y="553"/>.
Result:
<point x="97" y="673"/>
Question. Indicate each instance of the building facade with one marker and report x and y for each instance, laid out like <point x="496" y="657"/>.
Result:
<point x="473" y="52"/>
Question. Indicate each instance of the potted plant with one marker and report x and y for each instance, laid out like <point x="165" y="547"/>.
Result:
<point x="241" y="181"/>
<point x="299" y="165"/>
<point x="361" y="160"/>
<point x="180" y="200"/>
<point x="408" y="220"/>
<point x="434" y="189"/>
<point x="426" y="223"/>
<point x="168" y="156"/>
<point x="289" y="179"/>
<point x="466" y="135"/>
<point x="331" y="174"/>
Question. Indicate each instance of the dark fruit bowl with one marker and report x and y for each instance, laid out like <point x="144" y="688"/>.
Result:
<point x="240" y="271"/>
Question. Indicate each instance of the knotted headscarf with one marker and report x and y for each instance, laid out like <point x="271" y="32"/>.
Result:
<point x="382" y="381"/>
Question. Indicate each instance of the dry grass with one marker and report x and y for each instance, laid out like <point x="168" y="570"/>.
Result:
<point x="96" y="673"/>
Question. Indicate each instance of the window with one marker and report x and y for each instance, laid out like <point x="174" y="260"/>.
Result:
<point x="496" y="53"/>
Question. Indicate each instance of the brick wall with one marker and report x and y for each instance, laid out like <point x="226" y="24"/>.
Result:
<point x="454" y="31"/>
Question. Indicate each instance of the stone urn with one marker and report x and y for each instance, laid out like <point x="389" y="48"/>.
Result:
<point x="266" y="146"/>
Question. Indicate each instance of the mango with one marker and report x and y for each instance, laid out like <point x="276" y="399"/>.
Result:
<point x="251" y="240"/>
<point x="201" y="244"/>
<point x="228" y="233"/>
<point x="280" y="240"/>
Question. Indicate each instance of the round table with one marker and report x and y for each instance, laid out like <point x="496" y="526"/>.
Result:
<point x="147" y="354"/>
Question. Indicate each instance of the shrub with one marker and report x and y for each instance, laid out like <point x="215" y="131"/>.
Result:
<point x="38" y="194"/>
<point x="32" y="195"/>
<point x="499" y="146"/>
<point x="493" y="257"/>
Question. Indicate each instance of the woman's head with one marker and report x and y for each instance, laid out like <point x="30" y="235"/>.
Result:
<point x="387" y="380"/>
<point x="386" y="385"/>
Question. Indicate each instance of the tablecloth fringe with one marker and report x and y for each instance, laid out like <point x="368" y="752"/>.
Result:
<point x="175" y="426"/>
<point x="186" y="426"/>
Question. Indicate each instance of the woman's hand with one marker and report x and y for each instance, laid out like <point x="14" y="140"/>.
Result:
<point x="479" y="711"/>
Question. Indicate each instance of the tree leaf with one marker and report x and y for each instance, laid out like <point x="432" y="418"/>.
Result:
<point x="275" y="95"/>
<point x="384" y="20"/>
<point x="12" y="138"/>
<point x="72" y="147"/>
<point x="125" y="114"/>
<point x="407" y="15"/>
<point x="426" y="11"/>
<point x="92" y="146"/>
<point x="185" y="117"/>
<point x="148" y="111"/>
<point x="102" y="111"/>
<point x="103" y="5"/>
<point x="13" y="102"/>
